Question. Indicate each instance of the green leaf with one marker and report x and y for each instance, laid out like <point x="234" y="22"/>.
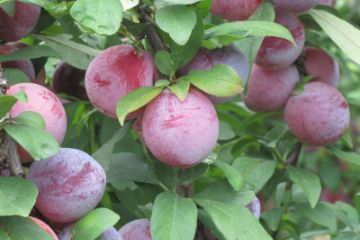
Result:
<point x="128" y="4"/>
<point x="188" y="175"/>
<point x="15" y="76"/>
<point x="232" y="174"/>
<point x="164" y="62"/>
<point x="231" y="221"/>
<point x="75" y="54"/>
<point x="6" y="103"/>
<point x="8" y="7"/>
<point x="256" y="172"/>
<point x="104" y="154"/>
<point x="30" y="52"/>
<point x="185" y="2"/>
<point x="100" y="16"/>
<point x="180" y="89"/>
<point x="273" y="217"/>
<point x="350" y="157"/>
<point x="135" y="100"/>
<point x="17" y="196"/>
<point x="220" y="81"/>
<point x="341" y="32"/>
<point x="39" y="143"/>
<point x="173" y="217"/>
<point x="308" y="182"/>
<point x="4" y="235"/>
<point x="20" y="228"/>
<point x="250" y="29"/>
<point x="94" y="223"/>
<point x="129" y="167"/>
<point x="162" y="83"/>
<point x="30" y="119"/>
<point x="176" y="20"/>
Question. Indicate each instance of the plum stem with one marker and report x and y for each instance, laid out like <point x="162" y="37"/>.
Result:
<point x="8" y="146"/>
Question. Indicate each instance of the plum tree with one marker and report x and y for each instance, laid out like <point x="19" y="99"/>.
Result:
<point x="67" y="79"/>
<point x="44" y="102"/>
<point x="136" y="230"/>
<point x="319" y="115"/>
<point x="13" y="28"/>
<point x="234" y="10"/>
<point x="277" y="53"/>
<point x="206" y="59"/>
<point x="45" y="227"/>
<point x="194" y="123"/>
<point x="71" y="179"/>
<point x="255" y="207"/>
<point x="24" y="65"/>
<point x="321" y="66"/>
<point x="269" y="90"/>
<point x="116" y="72"/>
<point x="295" y="6"/>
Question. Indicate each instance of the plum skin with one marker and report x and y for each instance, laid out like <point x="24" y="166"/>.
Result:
<point x="255" y="207"/>
<point x="278" y="53"/>
<point x="71" y="179"/>
<point x="296" y="6"/>
<point x="13" y="28"/>
<point x="269" y="90"/>
<point x="136" y="230"/>
<point x="116" y="72"/>
<point x="180" y="134"/>
<point x="45" y="227"/>
<point x="44" y="102"/>
<point x="319" y="115"/>
<point x="234" y="10"/>
<point x="320" y="65"/>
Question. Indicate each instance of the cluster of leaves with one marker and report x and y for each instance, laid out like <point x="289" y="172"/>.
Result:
<point x="255" y="154"/>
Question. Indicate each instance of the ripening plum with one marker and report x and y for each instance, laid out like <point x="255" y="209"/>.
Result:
<point x="321" y="66"/>
<point x="13" y="28"/>
<point x="255" y="207"/>
<point x="269" y="90"/>
<point x="24" y="65"/>
<point x="234" y="10"/>
<point x="277" y="53"/>
<point x="44" y="102"/>
<point x="206" y="59"/>
<point x="67" y="79"/>
<point x="331" y="196"/>
<point x="116" y="72"/>
<point x="45" y="227"/>
<point x="319" y="115"/>
<point x="180" y="134"/>
<point x="136" y="230"/>
<point x="71" y="179"/>
<point x="296" y="6"/>
<point x="327" y="2"/>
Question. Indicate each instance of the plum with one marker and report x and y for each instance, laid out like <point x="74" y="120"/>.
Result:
<point x="321" y="66"/>
<point x="45" y="227"/>
<point x="116" y="72"/>
<point x="319" y="115"/>
<point x="296" y="6"/>
<point x="277" y="53"/>
<point x="269" y="90"/>
<point x="24" y="65"/>
<point x="110" y="234"/>
<point x="206" y="59"/>
<point x="44" y="102"/>
<point x="331" y="196"/>
<point x="13" y="28"/>
<point x="327" y="2"/>
<point x="67" y="79"/>
<point x="255" y="207"/>
<point x="180" y="134"/>
<point x="234" y="10"/>
<point x="136" y="230"/>
<point x="71" y="179"/>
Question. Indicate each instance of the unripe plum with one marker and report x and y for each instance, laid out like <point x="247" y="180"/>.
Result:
<point x="319" y="115"/>
<point x="45" y="227"/>
<point x="277" y="53"/>
<point x="206" y="59"/>
<point x="24" y="65"/>
<point x="136" y="230"/>
<point x="296" y="6"/>
<point x="269" y="90"/>
<point x="44" y="102"/>
<point x="255" y="207"/>
<point x="320" y="65"/>
<point x="71" y="179"/>
<point x="67" y="79"/>
<point x="116" y="72"/>
<point x="180" y="134"/>
<point x="12" y="28"/>
<point x="234" y="10"/>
